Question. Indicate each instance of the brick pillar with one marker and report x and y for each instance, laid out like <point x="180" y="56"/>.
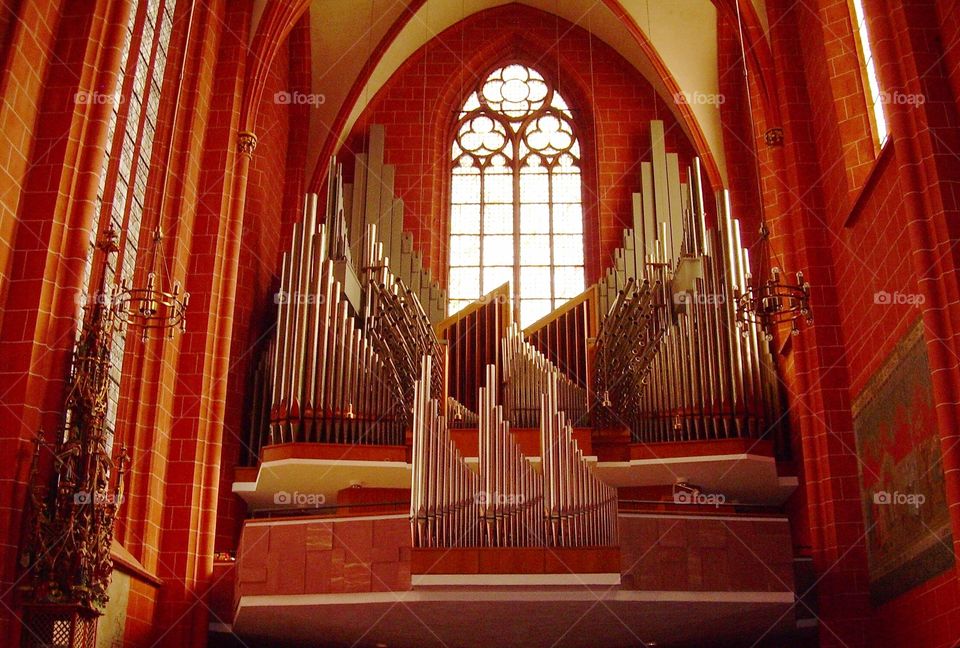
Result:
<point x="218" y="164"/>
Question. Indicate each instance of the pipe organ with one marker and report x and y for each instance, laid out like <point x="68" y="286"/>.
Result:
<point x="526" y="375"/>
<point x="691" y="377"/>
<point x="653" y="347"/>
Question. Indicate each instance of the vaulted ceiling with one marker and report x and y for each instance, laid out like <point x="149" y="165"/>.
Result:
<point x="356" y="45"/>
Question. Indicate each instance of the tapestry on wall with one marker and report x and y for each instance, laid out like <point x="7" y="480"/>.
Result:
<point x="901" y="476"/>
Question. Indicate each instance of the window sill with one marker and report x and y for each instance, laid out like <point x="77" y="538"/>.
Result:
<point x="883" y="159"/>
<point x="125" y="561"/>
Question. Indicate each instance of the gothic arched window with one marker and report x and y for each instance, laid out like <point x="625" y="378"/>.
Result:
<point x="516" y="211"/>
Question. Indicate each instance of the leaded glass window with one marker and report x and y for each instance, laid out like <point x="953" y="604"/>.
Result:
<point x="516" y="210"/>
<point x="124" y="210"/>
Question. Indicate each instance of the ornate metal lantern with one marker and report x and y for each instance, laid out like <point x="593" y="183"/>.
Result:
<point x="768" y="303"/>
<point x="151" y="307"/>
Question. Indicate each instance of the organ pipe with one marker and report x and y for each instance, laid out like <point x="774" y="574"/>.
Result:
<point x="444" y="501"/>
<point x="579" y="509"/>
<point x="526" y="374"/>
<point x="398" y="326"/>
<point x="508" y="503"/>
<point x="691" y="376"/>
<point x="322" y="379"/>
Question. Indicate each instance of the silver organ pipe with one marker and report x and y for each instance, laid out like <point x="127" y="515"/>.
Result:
<point x="508" y="503"/>
<point x="327" y="382"/>
<point x="459" y="416"/>
<point x="398" y="326"/>
<point x="579" y="509"/>
<point x="444" y="501"/>
<point x="526" y="374"/>
<point x="371" y="200"/>
<point x="626" y="352"/>
<point x="703" y="379"/>
<point x="345" y="356"/>
<point x="511" y="491"/>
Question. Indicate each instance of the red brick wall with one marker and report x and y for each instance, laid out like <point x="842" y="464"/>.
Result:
<point x="817" y="380"/>
<point x="870" y="244"/>
<point x="612" y="107"/>
<point x="924" y="616"/>
<point x="856" y="222"/>
<point x="54" y="146"/>
<point x="739" y="142"/>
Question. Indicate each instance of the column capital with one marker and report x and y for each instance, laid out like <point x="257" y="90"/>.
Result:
<point x="247" y="142"/>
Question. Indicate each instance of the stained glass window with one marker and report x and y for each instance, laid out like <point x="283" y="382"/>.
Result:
<point x="516" y="211"/>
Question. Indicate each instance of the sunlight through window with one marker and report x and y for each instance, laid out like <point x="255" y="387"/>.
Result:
<point x="516" y="211"/>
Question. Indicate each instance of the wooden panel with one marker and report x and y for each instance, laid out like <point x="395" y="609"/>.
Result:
<point x="564" y="336"/>
<point x="473" y="337"/>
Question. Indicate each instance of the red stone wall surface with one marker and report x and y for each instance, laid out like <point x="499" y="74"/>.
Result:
<point x="317" y="556"/>
<point x="705" y="554"/>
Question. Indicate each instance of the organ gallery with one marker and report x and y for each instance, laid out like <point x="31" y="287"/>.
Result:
<point x="436" y="323"/>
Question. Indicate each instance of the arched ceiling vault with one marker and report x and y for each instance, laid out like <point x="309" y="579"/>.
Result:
<point x="357" y="46"/>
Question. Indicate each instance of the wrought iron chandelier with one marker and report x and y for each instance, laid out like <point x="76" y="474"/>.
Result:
<point x="767" y="300"/>
<point x="151" y="307"/>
